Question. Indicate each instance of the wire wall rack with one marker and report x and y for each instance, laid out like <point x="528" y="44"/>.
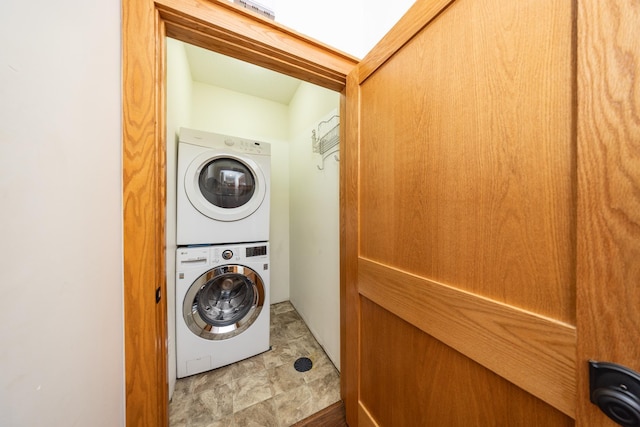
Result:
<point x="327" y="139"/>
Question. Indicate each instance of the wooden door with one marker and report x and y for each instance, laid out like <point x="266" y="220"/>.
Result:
<point x="473" y="189"/>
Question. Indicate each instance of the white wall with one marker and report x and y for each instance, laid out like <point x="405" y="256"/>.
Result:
<point x="61" y="309"/>
<point x="179" y="86"/>
<point x="337" y="23"/>
<point x="379" y="17"/>
<point x="314" y="220"/>
<point x="353" y="27"/>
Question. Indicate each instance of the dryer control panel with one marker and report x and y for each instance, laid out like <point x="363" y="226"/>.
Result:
<point x="248" y="146"/>
<point x="217" y="140"/>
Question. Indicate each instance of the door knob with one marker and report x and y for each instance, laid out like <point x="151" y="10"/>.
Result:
<point x="616" y="391"/>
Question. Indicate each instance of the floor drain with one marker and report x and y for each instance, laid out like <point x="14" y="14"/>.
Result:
<point x="303" y="364"/>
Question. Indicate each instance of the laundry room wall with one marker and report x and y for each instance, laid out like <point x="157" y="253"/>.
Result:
<point x="314" y="220"/>
<point x="179" y="85"/>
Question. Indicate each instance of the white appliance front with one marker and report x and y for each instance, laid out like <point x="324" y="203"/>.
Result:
<point x="222" y="305"/>
<point x="223" y="189"/>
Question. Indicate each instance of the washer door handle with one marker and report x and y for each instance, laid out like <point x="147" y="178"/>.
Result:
<point x="193" y="261"/>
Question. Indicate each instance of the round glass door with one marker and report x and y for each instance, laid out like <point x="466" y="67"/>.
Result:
<point x="226" y="183"/>
<point x="223" y="302"/>
<point x="224" y="187"/>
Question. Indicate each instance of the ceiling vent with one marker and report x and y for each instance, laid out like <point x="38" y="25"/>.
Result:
<point x="256" y="7"/>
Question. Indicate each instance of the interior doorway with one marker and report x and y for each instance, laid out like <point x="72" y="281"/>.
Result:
<point x="215" y="93"/>
<point x="224" y="28"/>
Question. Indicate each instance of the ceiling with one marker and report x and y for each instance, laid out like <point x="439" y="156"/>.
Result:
<point x="232" y="74"/>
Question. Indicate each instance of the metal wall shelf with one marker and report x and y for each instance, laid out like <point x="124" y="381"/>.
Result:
<point x="326" y="140"/>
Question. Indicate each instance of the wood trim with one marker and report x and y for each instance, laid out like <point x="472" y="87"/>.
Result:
<point x="608" y="226"/>
<point x="349" y="298"/>
<point x="161" y="200"/>
<point x="533" y="352"/>
<point x="416" y="18"/>
<point x="255" y="39"/>
<point x="222" y="27"/>
<point x="143" y="198"/>
<point x="332" y="415"/>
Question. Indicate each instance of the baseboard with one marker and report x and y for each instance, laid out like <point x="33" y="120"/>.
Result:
<point x="333" y="416"/>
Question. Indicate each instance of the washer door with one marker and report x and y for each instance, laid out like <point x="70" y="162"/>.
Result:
<point x="223" y="302"/>
<point x="225" y="187"/>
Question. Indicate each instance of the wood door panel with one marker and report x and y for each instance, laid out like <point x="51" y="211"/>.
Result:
<point x="468" y="152"/>
<point x="533" y="352"/>
<point x="431" y="384"/>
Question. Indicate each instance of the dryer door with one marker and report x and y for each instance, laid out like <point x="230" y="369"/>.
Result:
<point x="224" y="302"/>
<point x="225" y="187"/>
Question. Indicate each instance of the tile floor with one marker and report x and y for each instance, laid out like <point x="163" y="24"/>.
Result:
<point x="265" y="390"/>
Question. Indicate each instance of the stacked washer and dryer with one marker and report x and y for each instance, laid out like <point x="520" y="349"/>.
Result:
<point x="222" y="260"/>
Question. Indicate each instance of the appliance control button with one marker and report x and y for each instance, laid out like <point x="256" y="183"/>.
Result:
<point x="227" y="254"/>
<point x="229" y="142"/>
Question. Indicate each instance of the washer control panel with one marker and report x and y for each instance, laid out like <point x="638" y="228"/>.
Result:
<point x="192" y="257"/>
<point x="198" y="256"/>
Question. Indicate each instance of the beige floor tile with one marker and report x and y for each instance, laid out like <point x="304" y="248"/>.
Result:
<point x="250" y="390"/>
<point x="294" y="405"/>
<point x="325" y="391"/>
<point x="261" y="414"/>
<point x="281" y="307"/>
<point x="247" y="367"/>
<point x="218" y="400"/>
<point x="273" y="357"/>
<point x="322" y="366"/>
<point x="211" y="379"/>
<point x="285" y="378"/>
<point x="264" y="390"/>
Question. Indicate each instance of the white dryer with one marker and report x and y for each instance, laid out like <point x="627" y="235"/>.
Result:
<point x="222" y="305"/>
<point x="223" y="189"/>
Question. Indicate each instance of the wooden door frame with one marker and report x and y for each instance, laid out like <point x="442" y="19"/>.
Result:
<point x="222" y="27"/>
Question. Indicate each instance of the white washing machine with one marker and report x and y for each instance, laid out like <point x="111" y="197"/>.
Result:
<point x="223" y="189"/>
<point x="222" y="305"/>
